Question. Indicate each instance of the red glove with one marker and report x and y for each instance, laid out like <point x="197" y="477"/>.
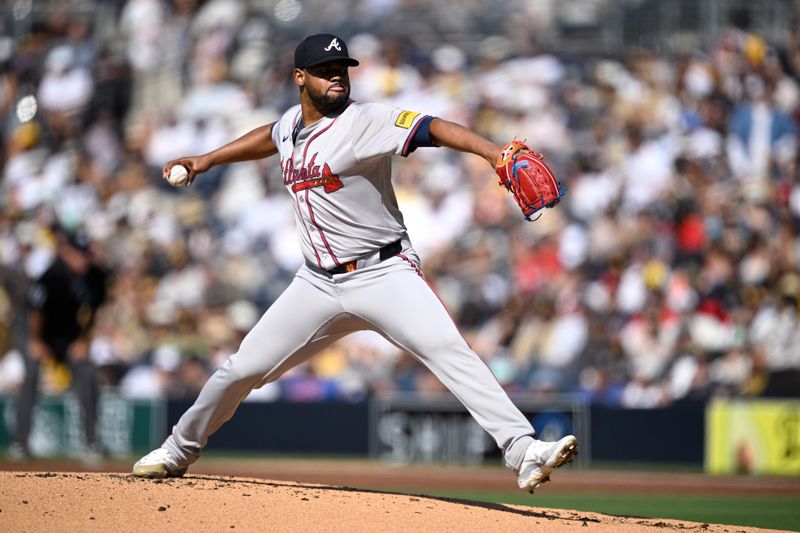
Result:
<point x="525" y="174"/>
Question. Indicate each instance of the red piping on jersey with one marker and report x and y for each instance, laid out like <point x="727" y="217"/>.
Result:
<point x="319" y="263"/>
<point x="314" y="221"/>
<point x="296" y="201"/>
<point x="413" y="132"/>
<point x="308" y="201"/>
<point x="320" y="132"/>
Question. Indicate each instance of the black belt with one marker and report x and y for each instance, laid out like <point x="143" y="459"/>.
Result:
<point x="387" y="252"/>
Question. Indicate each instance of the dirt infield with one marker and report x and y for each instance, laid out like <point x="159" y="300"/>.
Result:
<point x="381" y="476"/>
<point x="48" y="501"/>
<point x="377" y="475"/>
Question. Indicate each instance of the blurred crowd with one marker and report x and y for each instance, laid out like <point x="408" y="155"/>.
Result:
<point x="669" y="270"/>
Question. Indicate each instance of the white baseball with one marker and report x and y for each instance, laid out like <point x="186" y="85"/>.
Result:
<point x="178" y="176"/>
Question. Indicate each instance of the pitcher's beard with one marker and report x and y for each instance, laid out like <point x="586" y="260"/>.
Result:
<point x="327" y="103"/>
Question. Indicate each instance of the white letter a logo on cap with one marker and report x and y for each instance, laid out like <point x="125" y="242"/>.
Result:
<point x="334" y="44"/>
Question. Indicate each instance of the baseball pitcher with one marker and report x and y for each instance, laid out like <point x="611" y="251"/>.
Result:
<point x="361" y="270"/>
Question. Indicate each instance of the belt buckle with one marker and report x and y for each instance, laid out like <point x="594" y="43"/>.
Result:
<point x="350" y="266"/>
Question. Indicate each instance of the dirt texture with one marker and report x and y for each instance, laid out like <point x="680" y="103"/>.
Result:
<point x="380" y="475"/>
<point x="95" y="501"/>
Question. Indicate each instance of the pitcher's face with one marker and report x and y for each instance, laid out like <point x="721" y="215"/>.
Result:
<point x="327" y="85"/>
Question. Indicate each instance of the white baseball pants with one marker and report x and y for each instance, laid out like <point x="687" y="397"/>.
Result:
<point x="316" y="309"/>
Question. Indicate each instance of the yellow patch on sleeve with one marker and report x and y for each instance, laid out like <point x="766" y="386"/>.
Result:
<point x="405" y="119"/>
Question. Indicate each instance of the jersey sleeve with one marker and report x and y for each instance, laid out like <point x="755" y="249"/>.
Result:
<point x="284" y="125"/>
<point x="381" y="130"/>
<point x="276" y="132"/>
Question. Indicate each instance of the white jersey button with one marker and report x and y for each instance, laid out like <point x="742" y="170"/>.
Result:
<point x="302" y="199"/>
<point x="312" y="228"/>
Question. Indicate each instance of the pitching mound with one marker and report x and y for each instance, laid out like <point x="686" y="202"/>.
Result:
<point x="48" y="501"/>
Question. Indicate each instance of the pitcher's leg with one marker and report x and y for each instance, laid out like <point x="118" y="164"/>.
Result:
<point x="290" y="331"/>
<point x="403" y="306"/>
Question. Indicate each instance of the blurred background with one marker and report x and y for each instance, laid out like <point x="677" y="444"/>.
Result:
<point x="662" y="291"/>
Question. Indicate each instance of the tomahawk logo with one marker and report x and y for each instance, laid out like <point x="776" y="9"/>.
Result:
<point x="334" y="44"/>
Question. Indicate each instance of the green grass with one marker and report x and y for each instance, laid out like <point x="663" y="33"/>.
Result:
<point x="774" y="512"/>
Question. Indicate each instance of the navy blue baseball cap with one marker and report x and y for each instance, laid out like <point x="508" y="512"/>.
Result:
<point x="321" y="48"/>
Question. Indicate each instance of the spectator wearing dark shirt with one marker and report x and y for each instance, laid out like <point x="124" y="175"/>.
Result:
<point x="62" y="305"/>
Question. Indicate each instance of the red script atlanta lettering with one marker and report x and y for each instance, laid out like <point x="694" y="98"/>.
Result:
<point x="310" y="176"/>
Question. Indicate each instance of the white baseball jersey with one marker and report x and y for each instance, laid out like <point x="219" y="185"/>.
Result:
<point x="338" y="171"/>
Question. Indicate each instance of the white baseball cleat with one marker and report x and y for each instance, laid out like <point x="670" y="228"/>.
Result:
<point x="541" y="458"/>
<point x="158" y="464"/>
